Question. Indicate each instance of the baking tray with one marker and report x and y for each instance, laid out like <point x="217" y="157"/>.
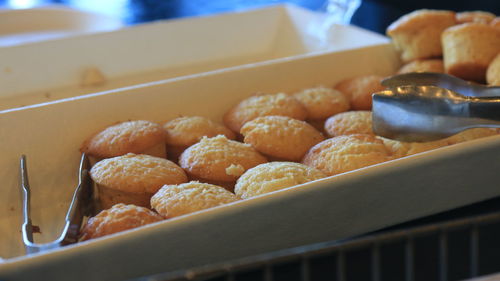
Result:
<point x="333" y="208"/>
<point x="167" y="49"/>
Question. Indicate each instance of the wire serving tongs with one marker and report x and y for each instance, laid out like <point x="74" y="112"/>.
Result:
<point x="81" y="206"/>
<point x="417" y="107"/>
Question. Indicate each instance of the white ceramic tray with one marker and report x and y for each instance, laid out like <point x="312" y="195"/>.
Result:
<point x="51" y="70"/>
<point x="332" y="208"/>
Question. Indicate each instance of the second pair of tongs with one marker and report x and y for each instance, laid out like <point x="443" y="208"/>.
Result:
<point x="81" y="206"/>
<point x="420" y="107"/>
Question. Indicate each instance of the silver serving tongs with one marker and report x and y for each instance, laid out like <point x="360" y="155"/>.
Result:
<point x="81" y="206"/>
<point x="414" y="110"/>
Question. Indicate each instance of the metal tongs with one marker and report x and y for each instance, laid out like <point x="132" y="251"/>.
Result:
<point x="418" y="107"/>
<point x="81" y="206"/>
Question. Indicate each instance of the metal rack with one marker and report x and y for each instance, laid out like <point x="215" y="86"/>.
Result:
<point x="456" y="249"/>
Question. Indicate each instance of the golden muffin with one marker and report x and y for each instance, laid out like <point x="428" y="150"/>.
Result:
<point x="359" y="90"/>
<point x="471" y="134"/>
<point x="493" y="72"/>
<point x="281" y="137"/>
<point x="176" y="200"/>
<point x="139" y="136"/>
<point x="349" y="123"/>
<point x="469" y="48"/>
<point x="424" y="65"/>
<point x="273" y="176"/>
<point x="475" y="16"/>
<point x="183" y="132"/>
<point x="495" y="22"/>
<point x="417" y="35"/>
<point x="322" y="102"/>
<point x="263" y="105"/>
<point x="133" y="178"/>
<point x="346" y="153"/>
<point x="400" y="149"/>
<point x="118" y="218"/>
<point x="219" y="160"/>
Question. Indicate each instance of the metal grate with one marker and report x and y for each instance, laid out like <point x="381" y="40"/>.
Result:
<point x="453" y="250"/>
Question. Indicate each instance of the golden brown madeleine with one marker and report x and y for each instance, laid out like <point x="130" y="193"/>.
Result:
<point x="263" y="105"/>
<point x="346" y="153"/>
<point x="133" y="178"/>
<point x="273" y="176"/>
<point x="493" y="72"/>
<point x="219" y="159"/>
<point x="424" y="65"/>
<point x="359" y="90"/>
<point x="176" y="200"/>
<point x="281" y="137"/>
<point x="475" y="16"/>
<point x="118" y="218"/>
<point x="139" y="136"/>
<point x="417" y="35"/>
<point x="400" y="149"/>
<point x="322" y="102"/>
<point x="469" y="48"/>
<point x="471" y="134"/>
<point x="349" y="123"/>
<point x="183" y="132"/>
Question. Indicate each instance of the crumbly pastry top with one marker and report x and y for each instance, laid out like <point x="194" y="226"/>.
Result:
<point x="280" y="136"/>
<point x="346" y="153"/>
<point x="137" y="173"/>
<point x="359" y="90"/>
<point x="419" y="19"/>
<point x="210" y="158"/>
<point x="188" y="130"/>
<point x="349" y="123"/>
<point x="175" y="200"/>
<point x="263" y="105"/>
<point x="274" y="176"/>
<point x="125" y="137"/>
<point x="322" y="102"/>
<point x="118" y="218"/>
<point x="474" y="16"/>
<point x="400" y="149"/>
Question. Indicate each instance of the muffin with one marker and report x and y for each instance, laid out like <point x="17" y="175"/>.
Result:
<point x="349" y="123"/>
<point x="400" y="149"/>
<point x="219" y="160"/>
<point x="322" y="102"/>
<point x="281" y="137"/>
<point x="133" y="178"/>
<point x="140" y="137"/>
<point x="263" y="105"/>
<point x="493" y="72"/>
<point x="176" y="200"/>
<point x="474" y="16"/>
<point x="471" y="134"/>
<point x="469" y="48"/>
<point x="346" y="153"/>
<point x="424" y="65"/>
<point x="119" y="217"/>
<point x="273" y="176"/>
<point x="359" y="90"/>
<point x="495" y="22"/>
<point x="185" y="131"/>
<point x="417" y="35"/>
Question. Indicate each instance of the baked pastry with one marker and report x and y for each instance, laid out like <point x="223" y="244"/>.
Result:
<point x="118" y="218"/>
<point x="495" y="22"/>
<point x="263" y="105"/>
<point x="493" y="72"/>
<point x="322" y="102"/>
<point x="133" y="178"/>
<point x="273" y="176"/>
<point x="417" y="35"/>
<point x="471" y="134"/>
<point x="469" y="48"/>
<point x="281" y="137"/>
<point x="349" y="123"/>
<point x="176" y="200"/>
<point x="400" y="149"/>
<point x="183" y="132"/>
<point x="139" y="136"/>
<point x="475" y="16"/>
<point x="346" y="153"/>
<point x="424" y="65"/>
<point x="219" y="160"/>
<point x="359" y="90"/>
